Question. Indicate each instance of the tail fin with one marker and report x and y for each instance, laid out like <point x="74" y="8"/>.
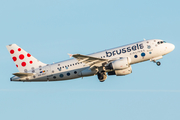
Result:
<point x="23" y="60"/>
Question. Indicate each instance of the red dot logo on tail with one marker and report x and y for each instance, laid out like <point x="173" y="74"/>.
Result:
<point x="21" y="56"/>
<point x="29" y="55"/>
<point x="14" y="59"/>
<point x="23" y="64"/>
<point x="19" y="49"/>
<point x="30" y="62"/>
<point x="12" y="51"/>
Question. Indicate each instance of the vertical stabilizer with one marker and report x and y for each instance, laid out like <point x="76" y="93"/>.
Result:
<point x="23" y="60"/>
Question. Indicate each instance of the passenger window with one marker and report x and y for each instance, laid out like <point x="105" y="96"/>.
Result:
<point x="68" y="74"/>
<point x="161" y="42"/>
<point x="61" y="75"/>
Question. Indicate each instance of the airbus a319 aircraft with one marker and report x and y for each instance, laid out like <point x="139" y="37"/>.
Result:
<point x="116" y="61"/>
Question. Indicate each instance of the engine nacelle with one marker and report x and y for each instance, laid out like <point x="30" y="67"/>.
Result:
<point x="119" y="64"/>
<point x="123" y="72"/>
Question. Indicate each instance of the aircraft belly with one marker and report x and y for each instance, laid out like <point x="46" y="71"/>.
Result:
<point x="66" y="75"/>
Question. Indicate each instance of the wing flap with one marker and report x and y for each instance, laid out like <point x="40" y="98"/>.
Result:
<point x="91" y="61"/>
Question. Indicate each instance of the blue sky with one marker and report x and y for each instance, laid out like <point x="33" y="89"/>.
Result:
<point x="49" y="29"/>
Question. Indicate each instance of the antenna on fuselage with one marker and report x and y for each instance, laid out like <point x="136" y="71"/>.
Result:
<point x="144" y="39"/>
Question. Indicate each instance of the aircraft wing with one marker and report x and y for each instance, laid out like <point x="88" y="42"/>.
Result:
<point x="91" y="61"/>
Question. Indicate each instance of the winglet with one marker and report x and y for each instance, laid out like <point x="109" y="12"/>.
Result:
<point x="70" y="55"/>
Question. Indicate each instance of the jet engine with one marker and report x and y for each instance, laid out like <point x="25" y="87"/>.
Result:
<point x="123" y="72"/>
<point x="120" y="67"/>
<point x="119" y="64"/>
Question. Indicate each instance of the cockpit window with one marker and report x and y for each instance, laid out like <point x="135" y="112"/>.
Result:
<point x="161" y="42"/>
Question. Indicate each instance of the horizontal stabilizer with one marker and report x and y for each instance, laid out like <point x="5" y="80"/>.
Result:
<point x="23" y="74"/>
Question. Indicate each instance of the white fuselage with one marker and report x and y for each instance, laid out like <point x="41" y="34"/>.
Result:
<point x="70" y="69"/>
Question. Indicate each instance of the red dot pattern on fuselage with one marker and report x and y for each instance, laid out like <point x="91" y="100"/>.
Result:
<point x="30" y="62"/>
<point x="16" y="65"/>
<point x="19" y="49"/>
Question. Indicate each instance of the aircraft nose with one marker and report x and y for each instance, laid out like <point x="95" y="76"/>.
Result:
<point x="172" y="47"/>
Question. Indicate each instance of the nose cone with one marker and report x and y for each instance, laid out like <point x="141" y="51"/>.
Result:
<point x="171" y="47"/>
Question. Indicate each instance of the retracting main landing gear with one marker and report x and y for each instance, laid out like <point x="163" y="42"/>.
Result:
<point x="102" y="76"/>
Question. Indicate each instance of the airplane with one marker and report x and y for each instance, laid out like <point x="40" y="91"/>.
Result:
<point x="116" y="61"/>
